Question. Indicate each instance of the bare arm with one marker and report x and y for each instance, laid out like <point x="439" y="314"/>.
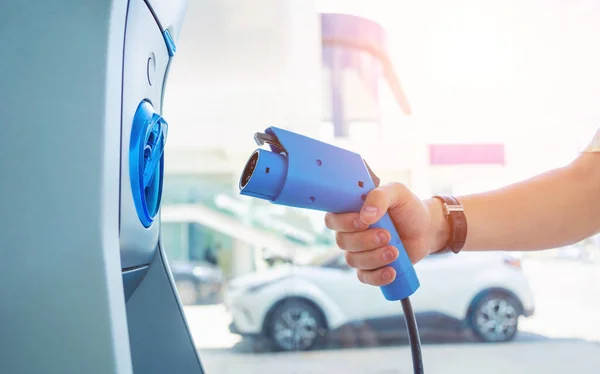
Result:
<point x="552" y="209"/>
<point x="556" y="208"/>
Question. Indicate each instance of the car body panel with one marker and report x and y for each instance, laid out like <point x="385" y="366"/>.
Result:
<point x="449" y="284"/>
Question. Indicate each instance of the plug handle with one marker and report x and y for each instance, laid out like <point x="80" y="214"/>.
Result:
<point x="406" y="281"/>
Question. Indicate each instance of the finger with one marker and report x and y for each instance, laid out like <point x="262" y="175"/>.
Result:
<point x="344" y="222"/>
<point x="382" y="198"/>
<point x="378" y="277"/>
<point x="373" y="259"/>
<point x="363" y="240"/>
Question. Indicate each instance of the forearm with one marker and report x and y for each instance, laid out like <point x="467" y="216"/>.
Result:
<point x="549" y="210"/>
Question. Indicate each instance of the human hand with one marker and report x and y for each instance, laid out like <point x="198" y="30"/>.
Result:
<point x="418" y="223"/>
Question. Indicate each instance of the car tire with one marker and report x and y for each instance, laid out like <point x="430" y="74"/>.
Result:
<point x="494" y="317"/>
<point x="295" y="325"/>
<point x="187" y="292"/>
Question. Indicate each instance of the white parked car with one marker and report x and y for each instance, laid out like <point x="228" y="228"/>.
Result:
<point x="297" y="306"/>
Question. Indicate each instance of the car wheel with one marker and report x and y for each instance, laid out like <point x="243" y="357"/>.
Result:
<point x="187" y="292"/>
<point x="295" y="325"/>
<point x="495" y="317"/>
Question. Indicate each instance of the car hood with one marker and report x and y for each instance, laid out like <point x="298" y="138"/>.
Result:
<point x="271" y="275"/>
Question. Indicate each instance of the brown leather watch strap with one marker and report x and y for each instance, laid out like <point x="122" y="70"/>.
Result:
<point x="454" y="213"/>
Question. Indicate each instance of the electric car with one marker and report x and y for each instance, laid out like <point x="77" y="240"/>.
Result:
<point x="299" y="307"/>
<point x="197" y="283"/>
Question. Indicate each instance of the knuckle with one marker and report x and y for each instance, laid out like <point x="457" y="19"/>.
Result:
<point x="397" y="185"/>
<point x="398" y="189"/>
<point x="332" y="221"/>
<point x="339" y="240"/>
<point x="327" y="220"/>
<point x="361" y="276"/>
<point x="350" y="259"/>
<point x="377" y="194"/>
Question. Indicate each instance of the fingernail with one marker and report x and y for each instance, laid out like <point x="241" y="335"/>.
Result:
<point x="369" y="211"/>
<point x="388" y="255"/>
<point x="381" y="238"/>
<point x="386" y="275"/>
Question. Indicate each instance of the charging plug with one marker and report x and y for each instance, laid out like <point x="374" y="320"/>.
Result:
<point x="302" y="172"/>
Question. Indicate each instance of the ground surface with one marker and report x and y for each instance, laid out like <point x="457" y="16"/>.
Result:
<point x="562" y="337"/>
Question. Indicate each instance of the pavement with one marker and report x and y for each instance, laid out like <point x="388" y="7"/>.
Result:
<point x="563" y="336"/>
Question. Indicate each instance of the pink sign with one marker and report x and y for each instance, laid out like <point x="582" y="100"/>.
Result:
<point x="461" y="154"/>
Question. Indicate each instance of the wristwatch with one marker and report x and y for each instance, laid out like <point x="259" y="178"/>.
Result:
<point x="454" y="213"/>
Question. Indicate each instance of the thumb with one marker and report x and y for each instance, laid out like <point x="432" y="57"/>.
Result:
<point x="382" y="198"/>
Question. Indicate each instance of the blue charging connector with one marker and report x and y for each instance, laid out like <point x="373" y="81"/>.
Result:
<point x="306" y="173"/>
<point x="302" y="172"/>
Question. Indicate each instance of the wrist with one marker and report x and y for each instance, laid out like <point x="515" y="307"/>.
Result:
<point x="439" y="228"/>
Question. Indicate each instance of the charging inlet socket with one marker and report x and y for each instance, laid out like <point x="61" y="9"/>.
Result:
<point x="146" y="161"/>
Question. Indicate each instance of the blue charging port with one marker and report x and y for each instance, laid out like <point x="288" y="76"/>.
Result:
<point x="146" y="161"/>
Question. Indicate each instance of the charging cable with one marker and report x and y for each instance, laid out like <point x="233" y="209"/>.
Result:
<point x="413" y="336"/>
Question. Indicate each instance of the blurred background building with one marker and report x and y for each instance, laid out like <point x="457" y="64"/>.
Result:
<point x="326" y="75"/>
<point x="330" y="70"/>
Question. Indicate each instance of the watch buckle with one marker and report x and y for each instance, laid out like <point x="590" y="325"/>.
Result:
<point x="448" y="208"/>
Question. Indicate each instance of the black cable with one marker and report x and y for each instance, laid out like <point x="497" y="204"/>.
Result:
<point x="413" y="336"/>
